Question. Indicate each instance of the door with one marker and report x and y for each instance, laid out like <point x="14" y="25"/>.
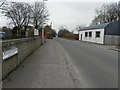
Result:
<point x="81" y="37"/>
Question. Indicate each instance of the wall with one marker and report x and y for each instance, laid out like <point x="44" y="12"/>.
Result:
<point x="93" y="38"/>
<point x="25" y="46"/>
<point x="112" y="40"/>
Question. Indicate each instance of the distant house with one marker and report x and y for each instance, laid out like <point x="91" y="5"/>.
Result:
<point x="31" y="31"/>
<point x="107" y="33"/>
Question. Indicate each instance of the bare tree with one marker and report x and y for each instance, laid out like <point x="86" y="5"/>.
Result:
<point x="107" y="13"/>
<point x="40" y="14"/>
<point x="63" y="30"/>
<point x="2" y="2"/>
<point x="27" y="14"/>
<point x="19" y="13"/>
<point x="112" y="12"/>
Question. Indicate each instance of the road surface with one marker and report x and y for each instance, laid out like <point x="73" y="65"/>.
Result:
<point x="96" y="66"/>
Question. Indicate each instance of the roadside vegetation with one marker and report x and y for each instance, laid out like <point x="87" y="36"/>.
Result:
<point x="49" y="32"/>
<point x="64" y="33"/>
<point x="21" y="16"/>
<point x="107" y="13"/>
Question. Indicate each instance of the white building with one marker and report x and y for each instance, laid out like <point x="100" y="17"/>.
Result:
<point x="107" y="33"/>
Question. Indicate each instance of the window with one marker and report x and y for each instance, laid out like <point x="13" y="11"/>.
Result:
<point x="98" y="34"/>
<point x="86" y="34"/>
<point x="90" y="34"/>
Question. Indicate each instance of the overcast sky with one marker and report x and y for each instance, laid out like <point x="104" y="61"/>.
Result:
<point x="70" y="13"/>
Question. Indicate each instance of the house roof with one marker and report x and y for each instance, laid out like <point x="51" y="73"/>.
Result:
<point x="113" y="28"/>
<point x="99" y="26"/>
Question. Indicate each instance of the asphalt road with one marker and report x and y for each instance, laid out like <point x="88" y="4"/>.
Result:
<point x="96" y="66"/>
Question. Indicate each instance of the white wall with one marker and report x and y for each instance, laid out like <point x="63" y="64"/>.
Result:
<point x="94" y="39"/>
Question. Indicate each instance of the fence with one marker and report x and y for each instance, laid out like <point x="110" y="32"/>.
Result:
<point x="25" y="47"/>
<point x="112" y="40"/>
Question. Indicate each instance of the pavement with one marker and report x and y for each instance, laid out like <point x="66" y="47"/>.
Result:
<point x="48" y="67"/>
